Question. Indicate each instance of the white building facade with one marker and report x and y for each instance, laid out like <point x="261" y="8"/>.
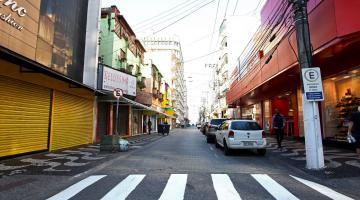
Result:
<point x="166" y="53"/>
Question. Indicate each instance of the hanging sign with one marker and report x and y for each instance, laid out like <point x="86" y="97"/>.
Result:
<point x="312" y="84"/>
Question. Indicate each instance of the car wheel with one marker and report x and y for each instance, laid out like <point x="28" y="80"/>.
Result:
<point x="208" y="140"/>
<point x="261" y="152"/>
<point x="227" y="151"/>
<point x="217" y="144"/>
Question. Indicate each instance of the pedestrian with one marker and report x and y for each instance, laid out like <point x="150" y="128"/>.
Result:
<point x="354" y="129"/>
<point x="149" y="126"/>
<point x="278" y="124"/>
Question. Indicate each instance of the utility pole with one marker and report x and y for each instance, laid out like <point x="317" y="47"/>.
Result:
<point x="313" y="140"/>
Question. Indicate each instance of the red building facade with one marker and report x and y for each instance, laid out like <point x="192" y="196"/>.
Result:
<point x="272" y="80"/>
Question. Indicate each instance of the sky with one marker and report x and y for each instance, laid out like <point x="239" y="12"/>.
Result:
<point x="196" y="23"/>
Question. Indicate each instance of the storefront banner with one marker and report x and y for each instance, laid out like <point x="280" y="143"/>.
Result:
<point x="112" y="79"/>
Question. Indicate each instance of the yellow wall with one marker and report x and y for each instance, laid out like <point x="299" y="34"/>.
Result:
<point x="13" y="71"/>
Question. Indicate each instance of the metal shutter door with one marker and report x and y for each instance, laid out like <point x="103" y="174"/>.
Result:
<point x="72" y="121"/>
<point x="24" y="117"/>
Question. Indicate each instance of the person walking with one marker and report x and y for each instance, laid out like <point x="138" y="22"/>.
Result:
<point x="278" y="124"/>
<point x="149" y="126"/>
<point x="354" y="129"/>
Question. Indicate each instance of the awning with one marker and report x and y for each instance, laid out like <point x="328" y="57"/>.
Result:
<point x="124" y="100"/>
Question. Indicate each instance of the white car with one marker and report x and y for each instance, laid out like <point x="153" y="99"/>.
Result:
<point x="241" y="134"/>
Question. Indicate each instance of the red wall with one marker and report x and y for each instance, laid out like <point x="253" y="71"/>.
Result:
<point x="328" y="20"/>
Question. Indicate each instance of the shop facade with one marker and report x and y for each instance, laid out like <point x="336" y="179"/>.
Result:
<point x="44" y="104"/>
<point x="274" y="79"/>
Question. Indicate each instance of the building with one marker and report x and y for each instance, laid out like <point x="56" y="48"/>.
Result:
<point x="46" y="102"/>
<point x="233" y="38"/>
<point x="270" y="77"/>
<point x="167" y="54"/>
<point x="121" y="58"/>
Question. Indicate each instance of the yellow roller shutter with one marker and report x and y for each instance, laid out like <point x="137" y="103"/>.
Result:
<point x="24" y="117"/>
<point x="72" y="121"/>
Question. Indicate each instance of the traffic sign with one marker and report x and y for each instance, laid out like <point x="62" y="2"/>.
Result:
<point x="312" y="84"/>
<point x="118" y="92"/>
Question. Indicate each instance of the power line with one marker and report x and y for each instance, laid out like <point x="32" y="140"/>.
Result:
<point x="250" y="12"/>
<point x="197" y="58"/>
<point x="158" y="15"/>
<point x="212" y="35"/>
<point x="183" y="17"/>
<point x="235" y="6"/>
<point x="227" y="4"/>
<point x="164" y="19"/>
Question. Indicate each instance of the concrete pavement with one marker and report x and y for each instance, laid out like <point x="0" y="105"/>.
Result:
<point x="183" y="166"/>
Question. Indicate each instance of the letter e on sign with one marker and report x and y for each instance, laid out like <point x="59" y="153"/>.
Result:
<point x="118" y="93"/>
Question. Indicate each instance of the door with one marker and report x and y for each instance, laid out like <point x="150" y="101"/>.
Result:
<point x="24" y="117"/>
<point x="72" y="122"/>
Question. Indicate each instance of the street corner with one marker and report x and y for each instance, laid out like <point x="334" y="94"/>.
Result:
<point x="339" y="163"/>
<point x="62" y="162"/>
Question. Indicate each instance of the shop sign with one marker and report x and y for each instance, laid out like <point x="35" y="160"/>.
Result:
<point x="312" y="84"/>
<point x="112" y="79"/>
<point x="8" y="17"/>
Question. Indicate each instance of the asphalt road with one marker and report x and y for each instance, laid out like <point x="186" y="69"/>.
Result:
<point x="182" y="166"/>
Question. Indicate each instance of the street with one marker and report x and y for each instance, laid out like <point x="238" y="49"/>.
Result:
<point x="181" y="166"/>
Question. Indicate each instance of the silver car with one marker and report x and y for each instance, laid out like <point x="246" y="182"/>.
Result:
<point x="241" y="134"/>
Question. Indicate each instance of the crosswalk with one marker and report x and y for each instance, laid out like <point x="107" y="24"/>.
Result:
<point x="223" y="185"/>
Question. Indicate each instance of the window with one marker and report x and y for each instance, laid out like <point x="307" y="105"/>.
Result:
<point x="245" y="125"/>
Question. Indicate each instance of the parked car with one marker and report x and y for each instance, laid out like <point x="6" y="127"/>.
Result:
<point x="211" y="128"/>
<point x="198" y="126"/>
<point x="203" y="127"/>
<point x="241" y="134"/>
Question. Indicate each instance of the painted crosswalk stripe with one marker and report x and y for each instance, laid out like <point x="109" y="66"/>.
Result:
<point x="124" y="188"/>
<point x="76" y="188"/>
<point x="323" y="189"/>
<point x="175" y="187"/>
<point x="224" y="188"/>
<point x="274" y="188"/>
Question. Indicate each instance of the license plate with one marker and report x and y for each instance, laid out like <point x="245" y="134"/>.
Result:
<point x="248" y="143"/>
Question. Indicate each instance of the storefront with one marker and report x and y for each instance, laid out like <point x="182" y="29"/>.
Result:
<point x="44" y="104"/>
<point x="342" y="97"/>
<point x="287" y="105"/>
<point x="252" y="112"/>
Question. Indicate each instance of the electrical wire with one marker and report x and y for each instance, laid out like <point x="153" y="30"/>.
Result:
<point x="263" y="37"/>
<point x="236" y="6"/>
<point x="226" y="8"/>
<point x="182" y="17"/>
<point x="171" y="15"/>
<point x="252" y="12"/>
<point x="164" y="12"/>
<point x="213" y="30"/>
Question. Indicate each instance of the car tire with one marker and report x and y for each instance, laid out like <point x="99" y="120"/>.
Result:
<point x="227" y="151"/>
<point x="261" y="152"/>
<point x="217" y="144"/>
<point x="208" y="140"/>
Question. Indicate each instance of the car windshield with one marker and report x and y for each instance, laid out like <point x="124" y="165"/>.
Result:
<point x="217" y="121"/>
<point x="243" y="125"/>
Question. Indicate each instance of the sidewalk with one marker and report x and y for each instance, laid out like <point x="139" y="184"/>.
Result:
<point x="339" y="163"/>
<point x="66" y="162"/>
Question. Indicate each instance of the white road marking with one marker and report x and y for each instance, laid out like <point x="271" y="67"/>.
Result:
<point x="216" y="155"/>
<point x="76" y="188"/>
<point x="124" y="188"/>
<point x="323" y="189"/>
<point x="212" y="149"/>
<point x="224" y="188"/>
<point x="274" y="188"/>
<point x="175" y="187"/>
